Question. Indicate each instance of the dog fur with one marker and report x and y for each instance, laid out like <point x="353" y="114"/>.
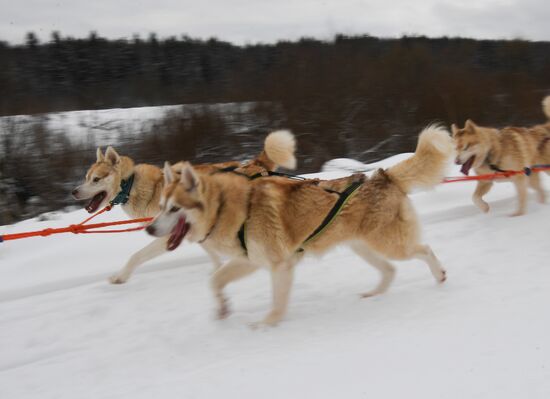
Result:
<point x="378" y="222"/>
<point x="106" y="174"/>
<point x="510" y="148"/>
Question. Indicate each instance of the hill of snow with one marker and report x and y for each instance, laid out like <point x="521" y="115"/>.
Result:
<point x="66" y="333"/>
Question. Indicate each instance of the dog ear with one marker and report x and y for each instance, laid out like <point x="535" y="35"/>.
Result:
<point x="112" y="156"/>
<point x="168" y="174"/>
<point x="189" y="177"/>
<point x="454" y="129"/>
<point x="470" y="125"/>
<point x="99" y="155"/>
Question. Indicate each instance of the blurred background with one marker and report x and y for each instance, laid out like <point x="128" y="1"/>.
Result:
<point x="175" y="96"/>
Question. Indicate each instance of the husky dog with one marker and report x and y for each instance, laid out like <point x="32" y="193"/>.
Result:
<point x="107" y="180"/>
<point x="488" y="150"/>
<point x="269" y="222"/>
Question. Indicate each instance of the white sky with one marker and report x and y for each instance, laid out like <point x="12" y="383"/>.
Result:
<point x="251" y="21"/>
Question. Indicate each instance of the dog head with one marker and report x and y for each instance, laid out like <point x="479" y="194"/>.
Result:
<point x="471" y="148"/>
<point x="102" y="180"/>
<point x="182" y="205"/>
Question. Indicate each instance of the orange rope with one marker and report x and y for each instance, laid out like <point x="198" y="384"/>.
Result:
<point x="80" y="228"/>
<point x="496" y="175"/>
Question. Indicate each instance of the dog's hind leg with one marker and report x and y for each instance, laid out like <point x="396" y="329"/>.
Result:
<point x="156" y="248"/>
<point x="425" y="253"/>
<point x="386" y="268"/>
<point x="482" y="188"/>
<point x="534" y="182"/>
<point x="231" y="271"/>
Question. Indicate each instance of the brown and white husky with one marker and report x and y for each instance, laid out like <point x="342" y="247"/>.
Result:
<point x="269" y="222"/>
<point x="487" y="150"/>
<point x="111" y="171"/>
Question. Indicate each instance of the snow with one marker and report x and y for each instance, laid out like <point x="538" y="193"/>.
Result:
<point x="110" y="126"/>
<point x="66" y="333"/>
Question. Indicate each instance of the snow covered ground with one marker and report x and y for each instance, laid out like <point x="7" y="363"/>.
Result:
<point x="66" y="333"/>
<point x="110" y="126"/>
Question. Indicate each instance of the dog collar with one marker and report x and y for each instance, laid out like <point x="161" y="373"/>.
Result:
<point x="124" y="193"/>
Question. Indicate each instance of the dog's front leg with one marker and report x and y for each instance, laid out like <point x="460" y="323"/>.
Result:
<point x="521" y="186"/>
<point x="231" y="271"/>
<point x="152" y="250"/>
<point x="482" y="188"/>
<point x="281" y="281"/>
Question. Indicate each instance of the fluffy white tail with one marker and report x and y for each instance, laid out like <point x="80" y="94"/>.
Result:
<point x="280" y="147"/>
<point x="546" y="106"/>
<point x="427" y="166"/>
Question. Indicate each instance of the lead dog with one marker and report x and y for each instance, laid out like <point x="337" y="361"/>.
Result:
<point x="488" y="150"/>
<point x="269" y="222"/>
<point x="138" y="189"/>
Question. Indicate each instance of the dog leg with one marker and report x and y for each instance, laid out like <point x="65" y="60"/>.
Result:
<point x="534" y="182"/>
<point x="213" y="257"/>
<point x="386" y="268"/>
<point x="231" y="271"/>
<point x="425" y="253"/>
<point x="521" y="186"/>
<point x="281" y="281"/>
<point x="482" y="188"/>
<point x="152" y="250"/>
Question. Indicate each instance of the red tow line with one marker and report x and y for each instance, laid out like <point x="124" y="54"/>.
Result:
<point x="81" y="228"/>
<point x="498" y="175"/>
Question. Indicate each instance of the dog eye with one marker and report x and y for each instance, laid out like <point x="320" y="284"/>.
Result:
<point x="467" y="146"/>
<point x="174" y="209"/>
<point x="96" y="179"/>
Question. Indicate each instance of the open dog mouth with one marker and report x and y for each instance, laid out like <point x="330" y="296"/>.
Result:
<point x="466" y="166"/>
<point x="96" y="201"/>
<point x="178" y="234"/>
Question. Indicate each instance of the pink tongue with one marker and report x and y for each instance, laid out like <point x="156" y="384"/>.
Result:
<point x="467" y="165"/>
<point x="95" y="202"/>
<point x="178" y="234"/>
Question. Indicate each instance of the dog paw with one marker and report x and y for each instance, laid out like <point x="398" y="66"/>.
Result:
<point x="117" y="279"/>
<point x="261" y="325"/>
<point x="518" y="213"/>
<point x="483" y="206"/>
<point x="270" y="321"/>
<point x="369" y="294"/>
<point x="443" y="277"/>
<point x="223" y="312"/>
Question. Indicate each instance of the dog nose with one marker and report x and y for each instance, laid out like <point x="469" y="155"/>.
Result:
<point x="75" y="192"/>
<point x="150" y="229"/>
<point x="457" y="161"/>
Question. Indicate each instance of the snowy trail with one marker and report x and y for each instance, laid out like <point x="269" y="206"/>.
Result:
<point x="66" y="333"/>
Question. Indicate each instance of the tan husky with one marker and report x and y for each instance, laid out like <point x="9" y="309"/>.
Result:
<point x="138" y="187"/>
<point x="269" y="222"/>
<point x="488" y="150"/>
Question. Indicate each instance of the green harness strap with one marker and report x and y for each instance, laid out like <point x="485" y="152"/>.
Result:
<point x="124" y="193"/>
<point x="334" y="212"/>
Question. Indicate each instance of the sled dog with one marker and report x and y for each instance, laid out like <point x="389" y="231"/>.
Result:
<point x="274" y="221"/>
<point x="108" y="180"/>
<point x="489" y="150"/>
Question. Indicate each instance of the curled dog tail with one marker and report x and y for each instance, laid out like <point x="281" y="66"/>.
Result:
<point x="546" y="106"/>
<point x="280" y="148"/>
<point x="426" y="167"/>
